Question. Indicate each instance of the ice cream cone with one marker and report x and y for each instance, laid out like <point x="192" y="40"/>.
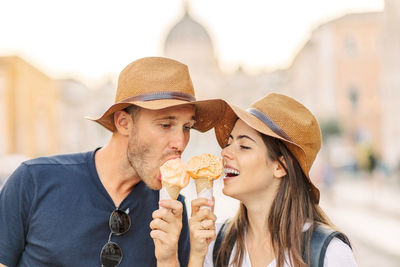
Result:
<point x="203" y="183"/>
<point x="173" y="190"/>
<point x="204" y="169"/>
<point x="204" y="188"/>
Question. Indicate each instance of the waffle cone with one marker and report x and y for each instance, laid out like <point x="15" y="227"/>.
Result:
<point x="203" y="183"/>
<point x="172" y="190"/>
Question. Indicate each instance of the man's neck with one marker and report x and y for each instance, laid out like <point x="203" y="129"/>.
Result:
<point x="115" y="172"/>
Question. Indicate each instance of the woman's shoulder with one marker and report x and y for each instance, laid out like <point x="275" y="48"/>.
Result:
<point x="338" y="253"/>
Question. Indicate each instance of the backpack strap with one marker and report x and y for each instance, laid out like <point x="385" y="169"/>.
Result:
<point x="218" y="241"/>
<point x="320" y="239"/>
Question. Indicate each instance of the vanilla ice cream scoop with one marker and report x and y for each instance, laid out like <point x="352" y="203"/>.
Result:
<point x="174" y="172"/>
<point x="173" y="177"/>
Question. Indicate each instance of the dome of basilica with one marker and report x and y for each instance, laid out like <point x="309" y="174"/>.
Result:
<point x="188" y="31"/>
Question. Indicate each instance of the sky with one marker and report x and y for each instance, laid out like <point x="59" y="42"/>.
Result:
<point x="90" y="39"/>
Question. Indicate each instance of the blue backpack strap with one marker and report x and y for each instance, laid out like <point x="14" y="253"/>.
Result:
<point x="218" y="241"/>
<point x="320" y="239"/>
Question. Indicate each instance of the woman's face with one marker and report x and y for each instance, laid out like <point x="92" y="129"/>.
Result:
<point x="249" y="172"/>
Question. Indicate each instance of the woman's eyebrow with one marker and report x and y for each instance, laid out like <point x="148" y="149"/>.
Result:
<point x="243" y="136"/>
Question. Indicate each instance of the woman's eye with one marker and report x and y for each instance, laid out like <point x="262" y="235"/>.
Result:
<point x="187" y="128"/>
<point x="227" y="145"/>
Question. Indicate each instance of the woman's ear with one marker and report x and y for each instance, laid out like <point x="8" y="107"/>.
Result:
<point x="122" y="121"/>
<point x="279" y="170"/>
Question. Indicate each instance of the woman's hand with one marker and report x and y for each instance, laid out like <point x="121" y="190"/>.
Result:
<point x="202" y="230"/>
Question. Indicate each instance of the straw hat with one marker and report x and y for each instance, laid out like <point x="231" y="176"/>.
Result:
<point x="281" y="117"/>
<point x="157" y="83"/>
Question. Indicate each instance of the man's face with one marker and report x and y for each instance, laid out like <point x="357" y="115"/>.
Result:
<point x="157" y="136"/>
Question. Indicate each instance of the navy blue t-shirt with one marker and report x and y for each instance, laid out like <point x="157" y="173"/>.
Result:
<point x="54" y="211"/>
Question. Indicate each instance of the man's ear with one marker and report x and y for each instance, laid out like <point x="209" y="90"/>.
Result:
<point x="122" y="122"/>
<point x="279" y="170"/>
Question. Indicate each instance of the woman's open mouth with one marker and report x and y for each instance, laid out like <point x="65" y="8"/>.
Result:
<point x="230" y="172"/>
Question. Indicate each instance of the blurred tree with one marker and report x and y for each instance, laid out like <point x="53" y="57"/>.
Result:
<point x="329" y="128"/>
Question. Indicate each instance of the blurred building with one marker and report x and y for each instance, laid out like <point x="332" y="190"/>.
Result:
<point x="390" y="83"/>
<point x="78" y="101"/>
<point x="188" y="41"/>
<point x="337" y="75"/>
<point x="42" y="116"/>
<point x="348" y="70"/>
<point x="29" y="105"/>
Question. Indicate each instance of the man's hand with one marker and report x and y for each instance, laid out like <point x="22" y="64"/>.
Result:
<point x="166" y="228"/>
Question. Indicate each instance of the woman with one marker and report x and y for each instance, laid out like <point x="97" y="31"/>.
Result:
<point x="268" y="151"/>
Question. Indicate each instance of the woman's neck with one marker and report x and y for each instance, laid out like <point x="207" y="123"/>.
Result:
<point x="258" y="209"/>
<point x="258" y="220"/>
<point x="258" y="238"/>
<point x="258" y="233"/>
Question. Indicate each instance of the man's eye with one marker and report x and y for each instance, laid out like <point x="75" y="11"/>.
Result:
<point x="245" y="147"/>
<point x="165" y="125"/>
<point x="187" y="128"/>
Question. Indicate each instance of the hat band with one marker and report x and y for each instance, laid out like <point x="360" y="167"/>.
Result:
<point x="270" y="123"/>
<point x="159" y="96"/>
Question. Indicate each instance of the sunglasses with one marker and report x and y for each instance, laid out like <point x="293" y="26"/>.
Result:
<point x="119" y="223"/>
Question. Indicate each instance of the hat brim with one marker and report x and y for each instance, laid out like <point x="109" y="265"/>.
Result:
<point x="227" y="122"/>
<point x="208" y="112"/>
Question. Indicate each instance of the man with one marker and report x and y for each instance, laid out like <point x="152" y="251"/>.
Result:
<point x="96" y="208"/>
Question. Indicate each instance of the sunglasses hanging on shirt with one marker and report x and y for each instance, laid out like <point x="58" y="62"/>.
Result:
<point x="111" y="253"/>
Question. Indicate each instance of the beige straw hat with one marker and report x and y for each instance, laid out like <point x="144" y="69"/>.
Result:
<point x="281" y="117"/>
<point x="157" y="83"/>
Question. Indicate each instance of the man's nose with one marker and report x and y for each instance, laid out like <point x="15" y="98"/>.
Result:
<point x="179" y="141"/>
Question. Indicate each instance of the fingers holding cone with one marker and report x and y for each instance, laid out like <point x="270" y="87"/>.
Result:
<point x="202" y="228"/>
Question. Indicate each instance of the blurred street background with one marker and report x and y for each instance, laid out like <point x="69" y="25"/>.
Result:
<point x="59" y="62"/>
<point x="368" y="211"/>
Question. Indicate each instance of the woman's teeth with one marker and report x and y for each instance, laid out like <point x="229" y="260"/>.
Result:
<point x="229" y="172"/>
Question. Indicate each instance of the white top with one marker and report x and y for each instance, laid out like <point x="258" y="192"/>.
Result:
<point x="337" y="254"/>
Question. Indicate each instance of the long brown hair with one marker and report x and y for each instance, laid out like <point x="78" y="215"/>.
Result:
<point x="291" y="208"/>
